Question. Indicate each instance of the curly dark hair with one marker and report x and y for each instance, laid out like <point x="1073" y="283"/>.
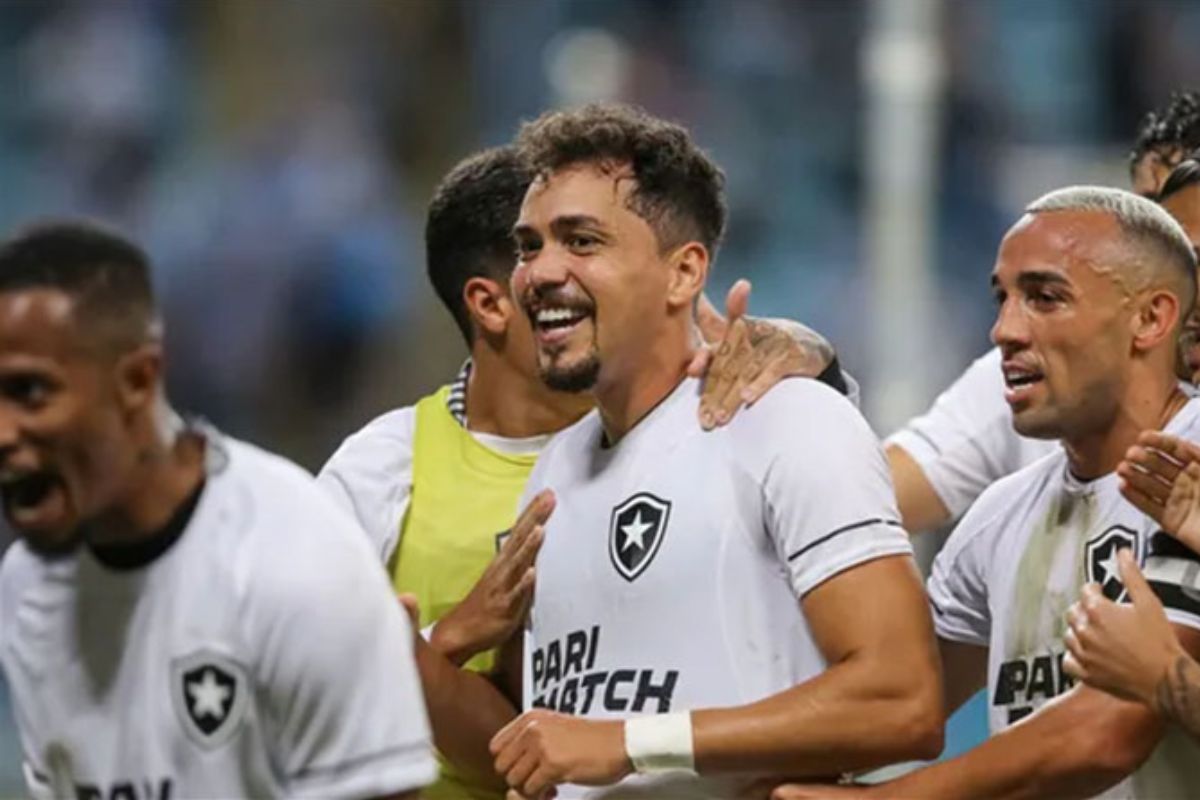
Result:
<point x="1185" y="173"/>
<point x="468" y="230"/>
<point x="1171" y="131"/>
<point x="680" y="190"/>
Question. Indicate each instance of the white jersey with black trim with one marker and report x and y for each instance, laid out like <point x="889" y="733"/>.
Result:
<point x="1016" y="563"/>
<point x="966" y="441"/>
<point x="261" y="655"/>
<point x="674" y="562"/>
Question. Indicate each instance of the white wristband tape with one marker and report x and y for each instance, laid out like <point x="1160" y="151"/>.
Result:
<point x="660" y="742"/>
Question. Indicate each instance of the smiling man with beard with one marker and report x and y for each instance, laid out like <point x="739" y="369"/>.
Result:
<point x="709" y="606"/>
<point x="184" y="615"/>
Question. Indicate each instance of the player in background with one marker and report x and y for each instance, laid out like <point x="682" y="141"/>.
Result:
<point x="183" y="614"/>
<point x="943" y="459"/>
<point x="709" y="606"/>
<point x="436" y="485"/>
<point x="1092" y="286"/>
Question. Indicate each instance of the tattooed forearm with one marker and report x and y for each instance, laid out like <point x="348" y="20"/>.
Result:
<point x="1179" y="694"/>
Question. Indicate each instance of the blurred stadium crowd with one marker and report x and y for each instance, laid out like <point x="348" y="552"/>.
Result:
<point x="276" y="160"/>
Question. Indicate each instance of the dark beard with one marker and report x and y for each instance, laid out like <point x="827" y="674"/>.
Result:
<point x="578" y="378"/>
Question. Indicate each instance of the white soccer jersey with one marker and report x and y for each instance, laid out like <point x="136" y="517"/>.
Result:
<point x="261" y="655"/>
<point x="673" y="563"/>
<point x="1016" y="563"/>
<point x="966" y="440"/>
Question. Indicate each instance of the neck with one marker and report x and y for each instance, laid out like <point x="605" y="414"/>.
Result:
<point x="625" y="398"/>
<point x="1149" y="405"/>
<point x="504" y="401"/>
<point x="168" y="469"/>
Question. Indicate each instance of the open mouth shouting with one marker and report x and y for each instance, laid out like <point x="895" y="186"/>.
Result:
<point x="34" y="500"/>
<point x="1020" y="381"/>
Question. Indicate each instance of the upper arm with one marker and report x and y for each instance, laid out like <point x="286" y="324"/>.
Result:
<point x="876" y="610"/>
<point x="370" y="475"/>
<point x="336" y="673"/>
<point x="920" y="506"/>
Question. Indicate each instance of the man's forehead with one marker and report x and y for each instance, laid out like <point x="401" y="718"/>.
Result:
<point x="586" y="184"/>
<point x="1059" y="241"/>
<point x="37" y="320"/>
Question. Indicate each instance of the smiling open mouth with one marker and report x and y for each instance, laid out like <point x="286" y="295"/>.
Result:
<point x="32" y="498"/>
<point x="559" y="317"/>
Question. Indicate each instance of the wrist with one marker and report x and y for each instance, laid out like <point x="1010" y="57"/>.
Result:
<point x="448" y="639"/>
<point x="660" y="743"/>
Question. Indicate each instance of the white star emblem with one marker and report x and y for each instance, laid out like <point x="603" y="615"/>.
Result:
<point x="635" y="533"/>
<point x="1109" y="568"/>
<point x="208" y="696"/>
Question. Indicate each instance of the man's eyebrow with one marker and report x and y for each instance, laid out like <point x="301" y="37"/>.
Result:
<point x="1042" y="276"/>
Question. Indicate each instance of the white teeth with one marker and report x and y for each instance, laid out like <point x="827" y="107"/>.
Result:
<point x="552" y="315"/>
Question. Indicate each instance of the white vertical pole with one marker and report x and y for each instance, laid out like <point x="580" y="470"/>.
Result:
<point x="902" y="75"/>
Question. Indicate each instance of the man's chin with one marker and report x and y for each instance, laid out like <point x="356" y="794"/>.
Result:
<point x="48" y="543"/>
<point x="573" y="378"/>
<point x="1033" y="425"/>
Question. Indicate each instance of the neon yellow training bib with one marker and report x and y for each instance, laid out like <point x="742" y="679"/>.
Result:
<point x="464" y="496"/>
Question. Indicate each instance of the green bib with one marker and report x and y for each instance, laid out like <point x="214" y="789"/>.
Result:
<point x="464" y="496"/>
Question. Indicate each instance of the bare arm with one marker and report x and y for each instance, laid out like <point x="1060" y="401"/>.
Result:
<point x="920" y="507"/>
<point x="1178" y="695"/>
<point x="877" y="703"/>
<point x="1098" y="740"/>
<point x="466" y="709"/>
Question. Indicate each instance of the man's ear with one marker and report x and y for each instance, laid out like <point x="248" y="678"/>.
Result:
<point x="488" y="305"/>
<point x="689" y="272"/>
<point x="139" y="375"/>
<point x="1157" y="319"/>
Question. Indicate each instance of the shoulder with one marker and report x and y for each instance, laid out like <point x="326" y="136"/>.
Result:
<point x="1186" y="423"/>
<point x="379" y="446"/>
<point x="1002" y="503"/>
<point x="799" y="412"/>
<point x="290" y="536"/>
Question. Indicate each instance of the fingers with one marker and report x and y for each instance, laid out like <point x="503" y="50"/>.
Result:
<point x="712" y="325"/>
<point x="698" y="366"/>
<point x="1181" y="450"/>
<point x="504" y="737"/>
<point x="722" y="373"/>
<point x="1151" y="486"/>
<point x="513" y="564"/>
<point x="1157" y="463"/>
<point x="1135" y="583"/>
<point x="737" y="302"/>
<point x="537" y="512"/>
<point x="1071" y="661"/>
<point x="1140" y="500"/>
<point x="770" y="375"/>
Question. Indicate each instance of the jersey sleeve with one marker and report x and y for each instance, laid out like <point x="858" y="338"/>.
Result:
<point x="827" y="495"/>
<point x="1173" y="572"/>
<point x="370" y="475"/>
<point x="966" y="440"/>
<point x="958" y="582"/>
<point x="336" y="674"/>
